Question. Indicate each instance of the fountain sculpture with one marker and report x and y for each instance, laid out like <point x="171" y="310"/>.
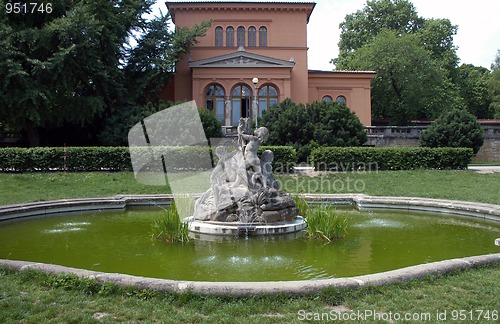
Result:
<point x="243" y="196"/>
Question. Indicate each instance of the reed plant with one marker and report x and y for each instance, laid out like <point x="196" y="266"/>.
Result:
<point x="324" y="222"/>
<point x="170" y="227"/>
<point x="302" y="204"/>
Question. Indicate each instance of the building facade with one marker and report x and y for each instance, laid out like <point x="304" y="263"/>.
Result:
<point x="255" y="56"/>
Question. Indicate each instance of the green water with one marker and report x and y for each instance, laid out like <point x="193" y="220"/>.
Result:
<point x="121" y="242"/>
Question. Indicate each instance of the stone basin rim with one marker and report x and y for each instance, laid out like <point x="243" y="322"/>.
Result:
<point x="484" y="211"/>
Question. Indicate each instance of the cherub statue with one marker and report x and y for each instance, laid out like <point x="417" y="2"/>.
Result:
<point x="252" y="161"/>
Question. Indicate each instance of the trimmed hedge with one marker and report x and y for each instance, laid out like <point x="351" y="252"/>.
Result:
<point x="285" y="157"/>
<point x="381" y="158"/>
<point x="118" y="158"/>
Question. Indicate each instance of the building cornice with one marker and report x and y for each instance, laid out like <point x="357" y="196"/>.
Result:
<point x="232" y="6"/>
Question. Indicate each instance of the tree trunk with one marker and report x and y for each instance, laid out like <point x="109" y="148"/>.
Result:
<point x="32" y="133"/>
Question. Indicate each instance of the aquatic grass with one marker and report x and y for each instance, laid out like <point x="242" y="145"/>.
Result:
<point x="324" y="222"/>
<point x="302" y="204"/>
<point x="170" y="228"/>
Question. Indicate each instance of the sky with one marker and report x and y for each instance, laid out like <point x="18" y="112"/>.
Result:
<point x="477" y="39"/>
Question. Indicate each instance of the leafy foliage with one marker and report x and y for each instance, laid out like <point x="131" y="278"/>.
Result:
<point x="455" y="128"/>
<point x="318" y="123"/>
<point x="359" y="28"/>
<point x="74" y="64"/>
<point x="119" y="123"/>
<point x="473" y="85"/>
<point x="117" y="158"/>
<point x="494" y="86"/>
<point x="211" y="125"/>
<point x="416" y="63"/>
<point x="409" y="84"/>
<point x="391" y="158"/>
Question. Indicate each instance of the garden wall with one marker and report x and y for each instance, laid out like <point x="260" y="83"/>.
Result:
<point x="408" y="136"/>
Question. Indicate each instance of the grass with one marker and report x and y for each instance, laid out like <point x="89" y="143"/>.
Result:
<point x="31" y="296"/>
<point x="440" y="184"/>
<point x="448" y="184"/>
<point x="36" y="297"/>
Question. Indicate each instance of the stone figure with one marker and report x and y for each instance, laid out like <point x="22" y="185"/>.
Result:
<point x="242" y="186"/>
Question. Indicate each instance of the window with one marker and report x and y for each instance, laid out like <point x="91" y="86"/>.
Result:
<point x="252" y="37"/>
<point x="268" y="97"/>
<point x="219" y="36"/>
<point x="215" y="100"/>
<point x="229" y="36"/>
<point x="240" y="103"/>
<point x="241" y="36"/>
<point x="262" y="36"/>
<point x="327" y="99"/>
<point x="341" y="99"/>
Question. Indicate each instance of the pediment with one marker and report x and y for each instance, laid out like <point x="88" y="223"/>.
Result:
<point x="241" y="59"/>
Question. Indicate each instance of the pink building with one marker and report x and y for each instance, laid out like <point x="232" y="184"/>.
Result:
<point x="254" y="56"/>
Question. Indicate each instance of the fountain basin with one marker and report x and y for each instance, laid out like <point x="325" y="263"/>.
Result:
<point x="245" y="229"/>
<point x="482" y="211"/>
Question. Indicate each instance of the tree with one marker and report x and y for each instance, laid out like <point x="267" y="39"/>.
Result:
<point x="409" y="84"/>
<point x="63" y="66"/>
<point x="379" y="37"/>
<point x="152" y="62"/>
<point x="473" y="84"/>
<point x="318" y="123"/>
<point x="69" y="66"/>
<point x="361" y="27"/>
<point x="454" y="128"/>
<point x="494" y="86"/>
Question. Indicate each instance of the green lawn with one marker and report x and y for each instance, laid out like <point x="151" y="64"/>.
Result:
<point x="461" y="185"/>
<point x="36" y="297"/>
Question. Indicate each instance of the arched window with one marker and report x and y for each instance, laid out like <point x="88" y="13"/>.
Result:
<point x="241" y="36"/>
<point x="252" y="37"/>
<point x="240" y="102"/>
<point x="327" y="99"/>
<point x="229" y="36"/>
<point x="219" y="36"/>
<point x="214" y="97"/>
<point x="268" y="97"/>
<point x="341" y="99"/>
<point x="262" y="36"/>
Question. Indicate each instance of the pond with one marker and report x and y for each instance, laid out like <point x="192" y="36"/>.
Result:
<point x="121" y="242"/>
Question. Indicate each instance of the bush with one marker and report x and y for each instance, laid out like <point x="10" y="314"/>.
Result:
<point x="118" y="158"/>
<point x="285" y="157"/>
<point x="455" y="128"/>
<point x="118" y="125"/>
<point x="374" y="158"/>
<point x="317" y="124"/>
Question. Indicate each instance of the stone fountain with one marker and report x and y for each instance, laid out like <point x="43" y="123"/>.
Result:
<point x="244" y="198"/>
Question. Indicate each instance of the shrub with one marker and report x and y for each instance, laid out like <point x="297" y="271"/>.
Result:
<point x="118" y="125"/>
<point x="285" y="157"/>
<point x="454" y="128"/>
<point x="378" y="159"/>
<point x="118" y="158"/>
<point x="317" y="124"/>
